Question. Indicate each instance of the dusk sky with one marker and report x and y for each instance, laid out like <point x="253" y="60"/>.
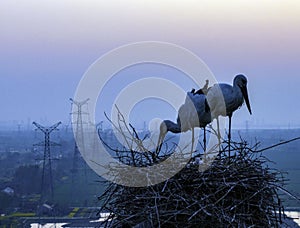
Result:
<point x="46" y="46"/>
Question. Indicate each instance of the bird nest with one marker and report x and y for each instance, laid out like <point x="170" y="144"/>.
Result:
<point x="236" y="191"/>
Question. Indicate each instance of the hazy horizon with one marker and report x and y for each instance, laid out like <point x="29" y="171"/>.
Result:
<point x="47" y="46"/>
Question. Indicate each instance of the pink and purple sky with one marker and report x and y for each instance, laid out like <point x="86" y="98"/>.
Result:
<point x="46" y="46"/>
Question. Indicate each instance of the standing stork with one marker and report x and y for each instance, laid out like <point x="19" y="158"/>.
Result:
<point x="195" y="112"/>
<point x="224" y="99"/>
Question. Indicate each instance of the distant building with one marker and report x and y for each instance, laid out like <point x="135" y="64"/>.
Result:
<point x="9" y="191"/>
<point x="45" y="209"/>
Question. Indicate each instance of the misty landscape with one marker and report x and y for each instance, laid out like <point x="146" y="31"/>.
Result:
<point x="149" y="114"/>
<point x="21" y="173"/>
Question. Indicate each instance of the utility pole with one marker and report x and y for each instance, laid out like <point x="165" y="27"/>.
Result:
<point x="47" y="182"/>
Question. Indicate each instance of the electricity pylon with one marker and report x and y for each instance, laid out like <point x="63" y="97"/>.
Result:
<point x="78" y="138"/>
<point x="47" y="182"/>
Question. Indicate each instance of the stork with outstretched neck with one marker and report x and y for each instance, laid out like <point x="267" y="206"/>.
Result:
<point x="224" y="99"/>
<point x="195" y="112"/>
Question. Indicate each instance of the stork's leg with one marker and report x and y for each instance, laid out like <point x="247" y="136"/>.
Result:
<point x="229" y="135"/>
<point x="192" y="150"/>
<point x="204" y="140"/>
<point x="204" y="144"/>
<point x="219" y="134"/>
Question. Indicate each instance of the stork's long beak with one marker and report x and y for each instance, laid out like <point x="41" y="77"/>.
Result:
<point x="160" y="141"/>
<point x="245" y="95"/>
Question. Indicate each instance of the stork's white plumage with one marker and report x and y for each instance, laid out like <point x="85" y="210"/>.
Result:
<point x="193" y="113"/>
<point x="224" y="99"/>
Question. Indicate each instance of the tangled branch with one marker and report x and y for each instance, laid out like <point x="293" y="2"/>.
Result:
<point x="237" y="191"/>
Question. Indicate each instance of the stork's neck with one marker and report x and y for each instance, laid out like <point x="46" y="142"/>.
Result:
<point x="173" y="127"/>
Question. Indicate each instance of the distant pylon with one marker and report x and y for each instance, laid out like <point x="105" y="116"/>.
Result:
<point x="47" y="182"/>
<point x="78" y="126"/>
<point x="247" y="125"/>
<point x="100" y="126"/>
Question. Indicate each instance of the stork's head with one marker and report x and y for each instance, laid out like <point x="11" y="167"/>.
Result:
<point x="241" y="81"/>
<point x="166" y="126"/>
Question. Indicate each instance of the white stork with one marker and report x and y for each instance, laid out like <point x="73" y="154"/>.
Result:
<point x="193" y="113"/>
<point x="231" y="96"/>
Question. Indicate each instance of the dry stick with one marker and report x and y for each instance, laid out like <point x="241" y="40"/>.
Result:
<point x="156" y="210"/>
<point x="134" y="136"/>
<point x="122" y="119"/>
<point x="102" y="140"/>
<point x="137" y="140"/>
<point x="266" y="148"/>
<point x="118" y="128"/>
<point x="278" y="144"/>
<point x="287" y="192"/>
<point x="134" y="131"/>
<point x="109" y="197"/>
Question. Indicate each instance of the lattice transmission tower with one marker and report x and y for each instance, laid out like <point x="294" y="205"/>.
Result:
<point x="79" y="137"/>
<point x="47" y="181"/>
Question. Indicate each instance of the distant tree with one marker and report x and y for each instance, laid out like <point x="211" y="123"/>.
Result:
<point x="6" y="201"/>
<point x="27" y="179"/>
